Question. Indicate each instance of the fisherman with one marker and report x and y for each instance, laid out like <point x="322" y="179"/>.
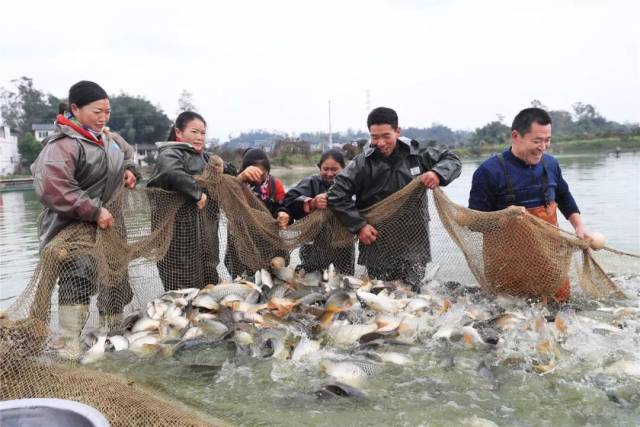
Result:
<point x="80" y="168"/>
<point x="387" y="165"/>
<point x="310" y="195"/>
<point x="523" y="175"/>
<point x="192" y="257"/>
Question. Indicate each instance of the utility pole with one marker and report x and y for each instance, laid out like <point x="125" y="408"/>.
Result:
<point x="330" y="136"/>
<point x="367" y="102"/>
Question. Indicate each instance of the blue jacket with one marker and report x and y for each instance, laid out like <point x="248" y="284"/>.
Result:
<point x="489" y="188"/>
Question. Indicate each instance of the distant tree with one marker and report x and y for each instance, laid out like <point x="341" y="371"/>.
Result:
<point x="185" y="102"/>
<point x="27" y="105"/>
<point x="138" y="120"/>
<point x="29" y="148"/>
<point x="561" y="122"/>
<point x="537" y="104"/>
<point x="211" y="143"/>
<point x="589" y="121"/>
<point x="492" y="133"/>
<point x="437" y="132"/>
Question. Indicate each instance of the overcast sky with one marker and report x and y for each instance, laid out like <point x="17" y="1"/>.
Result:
<point x="274" y="64"/>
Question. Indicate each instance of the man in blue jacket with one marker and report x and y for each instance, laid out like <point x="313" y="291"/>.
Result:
<point x="523" y="175"/>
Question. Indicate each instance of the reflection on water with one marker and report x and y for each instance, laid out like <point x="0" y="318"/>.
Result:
<point x="19" y="212"/>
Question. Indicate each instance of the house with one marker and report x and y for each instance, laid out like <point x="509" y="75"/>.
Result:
<point x="42" y="130"/>
<point x="9" y="157"/>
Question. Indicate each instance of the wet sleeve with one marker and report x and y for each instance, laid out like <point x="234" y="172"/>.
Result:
<point x="55" y="183"/>
<point x="482" y="196"/>
<point x="295" y="198"/>
<point x="565" y="200"/>
<point x="340" y="198"/>
<point x="443" y="162"/>
<point x="172" y="175"/>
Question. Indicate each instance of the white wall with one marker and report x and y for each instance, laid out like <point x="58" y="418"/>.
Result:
<point x="9" y="157"/>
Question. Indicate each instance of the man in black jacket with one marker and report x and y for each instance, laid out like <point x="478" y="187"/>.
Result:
<point x="387" y="165"/>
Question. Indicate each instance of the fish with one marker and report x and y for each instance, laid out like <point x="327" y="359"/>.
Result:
<point x="354" y="373"/>
<point x="380" y="303"/>
<point x="309" y="280"/>
<point x="146" y="324"/>
<point x="345" y="335"/>
<point x="286" y="274"/>
<point x="304" y="348"/>
<point x="206" y="300"/>
<point x="96" y="352"/>
<point x="395" y="358"/>
<point x="266" y="278"/>
<point x="117" y="343"/>
<point x="340" y="389"/>
<point x="146" y="345"/>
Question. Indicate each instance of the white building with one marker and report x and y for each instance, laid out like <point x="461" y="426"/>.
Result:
<point x="9" y="157"/>
<point x="41" y="131"/>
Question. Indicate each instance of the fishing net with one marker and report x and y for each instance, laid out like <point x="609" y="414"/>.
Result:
<point x="161" y="242"/>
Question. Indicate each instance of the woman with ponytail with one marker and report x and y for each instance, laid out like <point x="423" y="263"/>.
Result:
<point x="192" y="258"/>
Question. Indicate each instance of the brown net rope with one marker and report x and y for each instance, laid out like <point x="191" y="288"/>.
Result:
<point x="161" y="242"/>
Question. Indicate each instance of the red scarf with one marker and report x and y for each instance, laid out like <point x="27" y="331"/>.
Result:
<point x="63" y="121"/>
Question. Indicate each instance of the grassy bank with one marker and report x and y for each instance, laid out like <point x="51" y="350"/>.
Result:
<point x="604" y="145"/>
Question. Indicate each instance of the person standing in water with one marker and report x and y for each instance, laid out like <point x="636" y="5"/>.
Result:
<point x="309" y="195"/>
<point x="255" y="171"/>
<point x="385" y="167"/>
<point x="80" y="168"/>
<point x="524" y="175"/>
<point x="193" y="255"/>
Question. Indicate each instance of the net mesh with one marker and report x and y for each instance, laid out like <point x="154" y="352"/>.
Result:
<point x="161" y="241"/>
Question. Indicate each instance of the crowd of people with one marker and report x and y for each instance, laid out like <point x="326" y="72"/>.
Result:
<point x="83" y="164"/>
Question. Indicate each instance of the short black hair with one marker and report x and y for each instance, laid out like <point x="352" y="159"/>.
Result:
<point x="382" y="116"/>
<point x="523" y="120"/>
<point x="334" y="154"/>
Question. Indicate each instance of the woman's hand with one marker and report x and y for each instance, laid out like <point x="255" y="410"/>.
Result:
<point x="252" y="174"/>
<point x="200" y="204"/>
<point x="283" y="220"/>
<point x="129" y="179"/>
<point x="319" y="202"/>
<point x="105" y="219"/>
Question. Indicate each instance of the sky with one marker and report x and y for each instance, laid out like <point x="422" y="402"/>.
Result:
<point x="275" y="65"/>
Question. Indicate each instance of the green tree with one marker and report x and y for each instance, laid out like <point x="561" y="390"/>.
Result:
<point x="29" y="148"/>
<point x="493" y="133"/>
<point x="561" y="122"/>
<point x="138" y="120"/>
<point x="26" y="105"/>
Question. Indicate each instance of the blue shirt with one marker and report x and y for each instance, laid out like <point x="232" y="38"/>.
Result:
<point x="489" y="188"/>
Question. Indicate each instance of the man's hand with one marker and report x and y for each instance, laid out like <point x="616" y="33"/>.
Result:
<point x="200" y="204"/>
<point x="283" y="220"/>
<point x="367" y="234"/>
<point x="252" y="174"/>
<point x="319" y="202"/>
<point x="105" y="219"/>
<point x="430" y="180"/>
<point x="582" y="233"/>
<point x="129" y="179"/>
